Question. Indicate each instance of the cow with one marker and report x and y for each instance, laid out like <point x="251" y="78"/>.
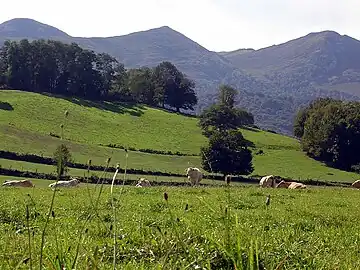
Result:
<point x="356" y="184"/>
<point x="268" y="181"/>
<point x="291" y="185"/>
<point x="18" y="183"/>
<point x="194" y="175"/>
<point x="72" y="183"/>
<point x="143" y="183"/>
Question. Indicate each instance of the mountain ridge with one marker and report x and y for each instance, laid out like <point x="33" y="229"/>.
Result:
<point x="273" y="81"/>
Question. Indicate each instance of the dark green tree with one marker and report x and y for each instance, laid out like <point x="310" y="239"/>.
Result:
<point x="303" y="114"/>
<point x="62" y="157"/>
<point x="227" y="153"/>
<point x="223" y="115"/>
<point x="141" y="85"/>
<point x="227" y="96"/>
<point x="173" y="88"/>
<point x="331" y="133"/>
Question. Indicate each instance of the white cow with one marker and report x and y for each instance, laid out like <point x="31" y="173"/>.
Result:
<point x="290" y="185"/>
<point x="72" y="183"/>
<point x="268" y="181"/>
<point x="194" y="175"/>
<point x="18" y="183"/>
<point x="143" y="183"/>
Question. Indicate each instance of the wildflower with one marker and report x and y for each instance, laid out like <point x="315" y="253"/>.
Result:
<point x="268" y="200"/>
<point x="228" y="179"/>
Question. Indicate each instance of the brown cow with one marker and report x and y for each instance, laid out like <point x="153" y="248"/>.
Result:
<point x="356" y="184"/>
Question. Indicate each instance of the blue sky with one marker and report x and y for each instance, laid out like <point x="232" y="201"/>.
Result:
<point x="219" y="25"/>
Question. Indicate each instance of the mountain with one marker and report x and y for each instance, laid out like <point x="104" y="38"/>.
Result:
<point x="323" y="60"/>
<point x="23" y="27"/>
<point x="273" y="82"/>
<point x="237" y="52"/>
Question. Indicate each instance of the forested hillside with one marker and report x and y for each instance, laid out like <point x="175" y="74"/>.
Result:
<point x="68" y="70"/>
<point x="273" y="82"/>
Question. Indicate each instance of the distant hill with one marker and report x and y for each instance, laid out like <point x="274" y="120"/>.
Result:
<point x="324" y="60"/>
<point x="23" y="27"/>
<point x="273" y="82"/>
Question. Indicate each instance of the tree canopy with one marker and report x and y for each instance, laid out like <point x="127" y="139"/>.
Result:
<point x="330" y="131"/>
<point x="224" y="115"/>
<point x="67" y="69"/>
<point x="227" y="151"/>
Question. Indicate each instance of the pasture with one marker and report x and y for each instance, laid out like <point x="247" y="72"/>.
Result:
<point x="90" y="124"/>
<point x="99" y="122"/>
<point x="300" y="229"/>
<point x="208" y="227"/>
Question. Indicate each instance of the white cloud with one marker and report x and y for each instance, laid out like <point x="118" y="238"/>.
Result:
<point x="215" y="24"/>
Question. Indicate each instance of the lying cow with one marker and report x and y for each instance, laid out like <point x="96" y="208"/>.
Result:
<point x="356" y="184"/>
<point x="290" y="185"/>
<point x="194" y="175"/>
<point x="268" y="181"/>
<point x="18" y="183"/>
<point x="143" y="183"/>
<point x="72" y="183"/>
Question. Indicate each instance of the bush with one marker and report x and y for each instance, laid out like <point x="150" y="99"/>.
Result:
<point x="149" y="151"/>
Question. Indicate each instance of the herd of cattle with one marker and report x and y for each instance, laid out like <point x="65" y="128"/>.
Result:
<point x="194" y="176"/>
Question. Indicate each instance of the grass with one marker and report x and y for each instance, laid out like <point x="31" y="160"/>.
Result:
<point x="106" y="123"/>
<point x="304" y="229"/>
<point x="135" y="228"/>
<point x="43" y="168"/>
<point x="142" y="127"/>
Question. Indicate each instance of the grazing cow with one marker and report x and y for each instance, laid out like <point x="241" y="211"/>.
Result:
<point x="72" y="183"/>
<point x="290" y="185"/>
<point x="18" y="183"/>
<point x="268" y="181"/>
<point x="194" y="175"/>
<point x="143" y="183"/>
<point x="356" y="184"/>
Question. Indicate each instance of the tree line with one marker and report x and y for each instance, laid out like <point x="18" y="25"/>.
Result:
<point x="69" y="70"/>
<point x="329" y="131"/>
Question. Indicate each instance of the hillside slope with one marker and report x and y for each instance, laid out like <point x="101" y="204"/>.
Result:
<point x="26" y="119"/>
<point x="101" y="123"/>
<point x="319" y="60"/>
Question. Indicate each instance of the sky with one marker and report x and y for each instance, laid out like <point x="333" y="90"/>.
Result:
<point x="218" y="25"/>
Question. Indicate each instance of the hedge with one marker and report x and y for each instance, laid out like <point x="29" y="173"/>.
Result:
<point x="149" y="151"/>
<point x="49" y="161"/>
<point x="91" y="180"/>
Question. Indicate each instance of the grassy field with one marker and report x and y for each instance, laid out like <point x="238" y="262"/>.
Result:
<point x="105" y="123"/>
<point x="91" y="124"/>
<point x="301" y="229"/>
<point x="34" y="167"/>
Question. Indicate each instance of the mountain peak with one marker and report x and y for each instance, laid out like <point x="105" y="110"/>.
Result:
<point x="327" y="34"/>
<point x="20" y="27"/>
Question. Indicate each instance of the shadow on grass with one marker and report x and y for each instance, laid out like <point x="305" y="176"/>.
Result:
<point x="6" y="106"/>
<point x="120" y="107"/>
